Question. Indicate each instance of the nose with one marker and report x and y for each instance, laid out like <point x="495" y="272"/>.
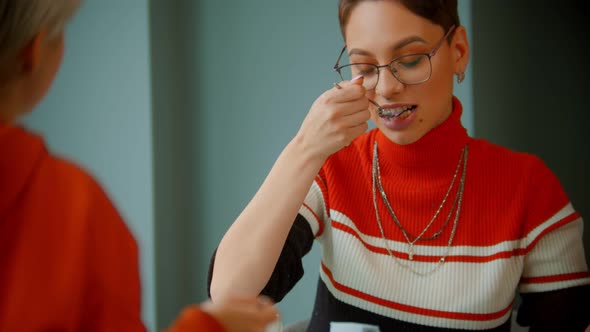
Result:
<point x="388" y="85"/>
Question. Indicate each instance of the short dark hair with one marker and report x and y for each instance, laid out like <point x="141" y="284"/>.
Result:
<point x="440" y="12"/>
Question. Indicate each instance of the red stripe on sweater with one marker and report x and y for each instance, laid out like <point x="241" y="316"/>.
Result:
<point x="319" y="221"/>
<point x="413" y="309"/>
<point x="324" y="189"/>
<point x="555" y="278"/>
<point x="458" y="258"/>
<point x="424" y="258"/>
<point x="572" y="217"/>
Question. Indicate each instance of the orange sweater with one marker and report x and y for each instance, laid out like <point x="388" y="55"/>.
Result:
<point x="68" y="262"/>
<point x="506" y="227"/>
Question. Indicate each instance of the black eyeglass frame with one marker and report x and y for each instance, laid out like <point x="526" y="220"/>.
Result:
<point x="393" y="71"/>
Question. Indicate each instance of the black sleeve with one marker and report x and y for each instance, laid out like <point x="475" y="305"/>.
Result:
<point x="289" y="268"/>
<point x="561" y="310"/>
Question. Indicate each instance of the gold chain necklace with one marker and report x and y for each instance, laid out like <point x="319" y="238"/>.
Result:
<point x="406" y="233"/>
<point x="376" y="181"/>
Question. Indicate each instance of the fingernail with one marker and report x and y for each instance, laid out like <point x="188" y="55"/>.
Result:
<point x="357" y="78"/>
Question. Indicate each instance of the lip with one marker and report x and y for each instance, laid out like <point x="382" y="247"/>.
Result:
<point x="397" y="123"/>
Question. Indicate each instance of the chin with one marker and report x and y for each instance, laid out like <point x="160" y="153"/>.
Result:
<point x="402" y="138"/>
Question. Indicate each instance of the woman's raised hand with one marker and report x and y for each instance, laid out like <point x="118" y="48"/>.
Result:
<point x="335" y="119"/>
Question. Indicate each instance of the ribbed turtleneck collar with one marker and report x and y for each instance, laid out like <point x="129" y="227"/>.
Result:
<point x="439" y="149"/>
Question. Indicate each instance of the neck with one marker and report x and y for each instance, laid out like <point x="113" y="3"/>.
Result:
<point x="11" y="104"/>
<point x="440" y="147"/>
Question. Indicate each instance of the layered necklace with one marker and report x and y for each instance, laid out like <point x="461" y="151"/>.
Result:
<point x="410" y="238"/>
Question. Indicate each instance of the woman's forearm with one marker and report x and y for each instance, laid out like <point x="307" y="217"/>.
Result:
<point x="249" y="250"/>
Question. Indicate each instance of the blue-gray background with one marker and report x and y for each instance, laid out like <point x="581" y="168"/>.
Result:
<point x="180" y="108"/>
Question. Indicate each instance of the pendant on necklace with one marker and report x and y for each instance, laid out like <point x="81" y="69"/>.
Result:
<point x="411" y="252"/>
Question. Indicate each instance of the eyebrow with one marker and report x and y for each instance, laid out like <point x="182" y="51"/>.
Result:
<point x="401" y="44"/>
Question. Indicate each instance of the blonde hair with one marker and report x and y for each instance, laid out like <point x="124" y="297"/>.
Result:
<point x="21" y="20"/>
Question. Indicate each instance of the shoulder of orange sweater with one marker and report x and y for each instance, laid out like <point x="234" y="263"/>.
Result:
<point x="69" y="208"/>
<point x="546" y="198"/>
<point x="523" y="167"/>
<point x="549" y="204"/>
<point x="111" y="251"/>
<point x="502" y="158"/>
<point x="71" y="174"/>
<point x="77" y="184"/>
<point x="496" y="150"/>
<point x="85" y="206"/>
<point x="193" y="318"/>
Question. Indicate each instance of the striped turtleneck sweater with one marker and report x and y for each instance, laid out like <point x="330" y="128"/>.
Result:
<point x="516" y="232"/>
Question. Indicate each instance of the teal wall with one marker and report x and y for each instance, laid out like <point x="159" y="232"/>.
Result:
<point x="175" y="93"/>
<point x="464" y="91"/>
<point x="263" y="63"/>
<point x="99" y="114"/>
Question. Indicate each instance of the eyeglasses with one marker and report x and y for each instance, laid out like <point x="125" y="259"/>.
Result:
<point x="408" y="69"/>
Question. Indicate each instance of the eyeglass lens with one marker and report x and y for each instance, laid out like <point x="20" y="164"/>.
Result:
<point x="409" y="69"/>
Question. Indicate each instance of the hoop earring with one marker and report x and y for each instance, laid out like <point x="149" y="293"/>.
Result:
<point x="460" y="77"/>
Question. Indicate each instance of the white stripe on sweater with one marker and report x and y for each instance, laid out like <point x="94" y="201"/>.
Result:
<point x="412" y="317"/>
<point x="461" y="287"/>
<point x="455" y="287"/>
<point x="559" y="252"/>
<point x="536" y="232"/>
<point x="315" y="201"/>
<point x="437" y="251"/>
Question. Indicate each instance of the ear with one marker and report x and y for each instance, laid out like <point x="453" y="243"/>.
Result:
<point x="31" y="54"/>
<point x="460" y="49"/>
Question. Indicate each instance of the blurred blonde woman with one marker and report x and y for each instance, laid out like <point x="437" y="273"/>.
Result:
<point x="68" y="262"/>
